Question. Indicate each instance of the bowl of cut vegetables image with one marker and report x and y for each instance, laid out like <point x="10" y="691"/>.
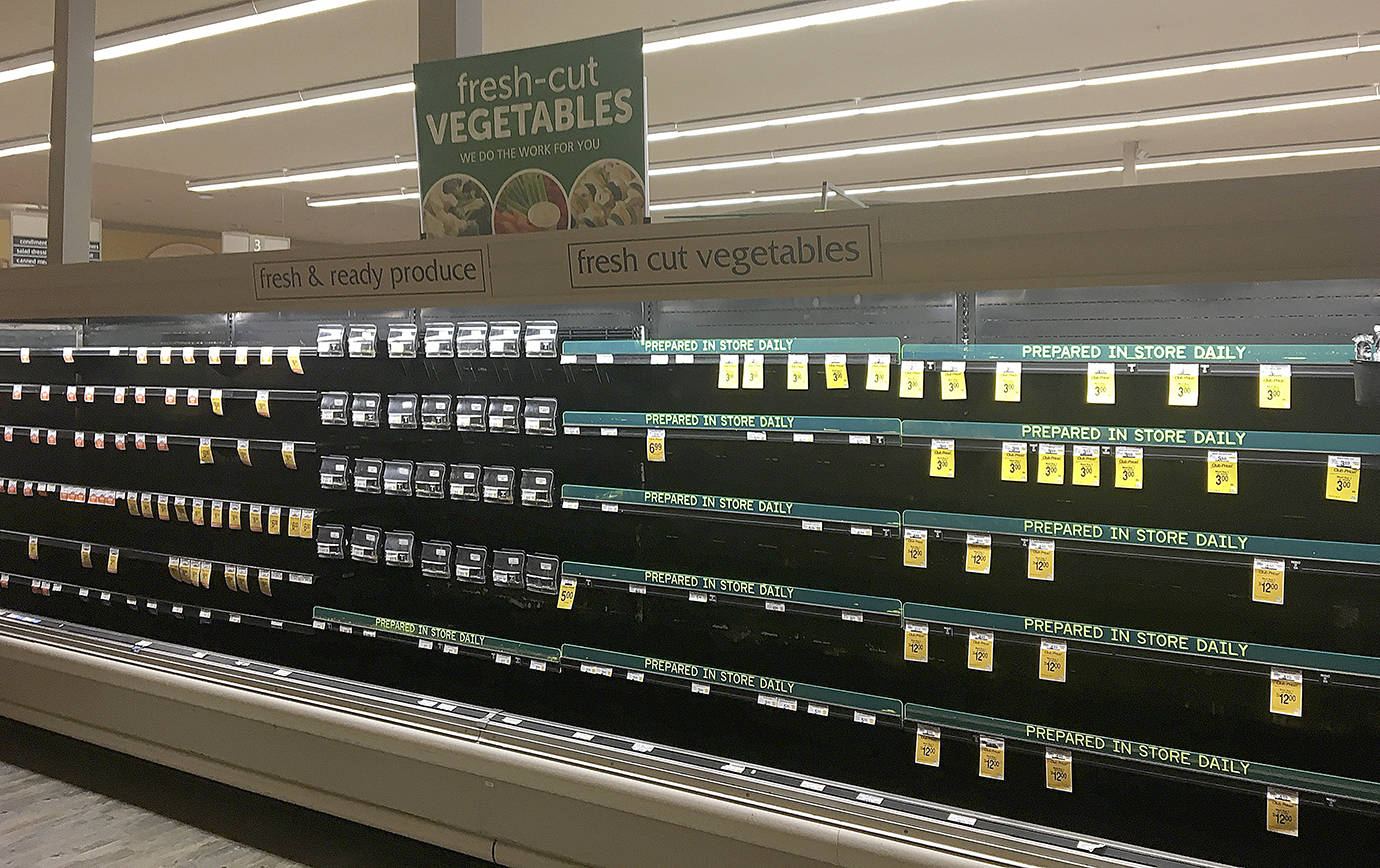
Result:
<point x="457" y="205"/>
<point x="530" y="201"/>
<point x="607" y="193"/>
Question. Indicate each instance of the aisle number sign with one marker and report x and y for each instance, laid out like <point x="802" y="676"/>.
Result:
<point x="1040" y="560"/>
<point x="1286" y="692"/>
<point x="1130" y="467"/>
<point x="916" y="548"/>
<point x="1275" y="387"/>
<point x="991" y="757"/>
<point x="1101" y="383"/>
<point x="798" y="372"/>
<point x="942" y="458"/>
<point x="980" y="650"/>
<point x="1267" y="581"/>
<point x="836" y="371"/>
<point x="1008" y="382"/>
<point x="728" y="372"/>
<point x="753" y="375"/>
<point x="927" y="746"/>
<point x="1013" y="462"/>
<point x="953" y="383"/>
<point x="879" y="372"/>
<point x="1058" y="770"/>
<point x="1051" y="468"/>
<point x="1183" y="385"/>
<point x="1054" y="659"/>
<point x="1086" y="465"/>
<point x="1281" y="811"/>
<point x="656" y="444"/>
<point x="912" y="380"/>
<point x="1343" y="478"/>
<point x="917" y="648"/>
<point x="1221" y="472"/>
<point x="978" y="558"/>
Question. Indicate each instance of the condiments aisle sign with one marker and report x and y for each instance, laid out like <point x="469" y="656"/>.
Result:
<point x="533" y="140"/>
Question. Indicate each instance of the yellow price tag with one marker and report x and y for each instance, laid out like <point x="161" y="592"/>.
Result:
<point x="265" y="355"/>
<point x="1058" y="770"/>
<point x="86" y="555"/>
<point x="980" y="650"/>
<point x="1183" y="385"/>
<point x="1343" y="478"/>
<point x="295" y="359"/>
<point x="917" y="642"/>
<point x="656" y="444"/>
<point x="275" y="520"/>
<point x="1286" y="692"/>
<point x="241" y="355"/>
<point x="294" y="523"/>
<point x="266" y="582"/>
<point x="728" y="372"/>
<point x="180" y="508"/>
<point x="204" y="451"/>
<point x="213" y="355"/>
<point x="836" y="371"/>
<point x="242" y="447"/>
<point x="927" y="746"/>
<point x="289" y="453"/>
<point x="879" y="372"/>
<point x="1054" y="659"/>
<point x="1282" y="812"/>
<point x="1008" y="382"/>
<point x="256" y="518"/>
<point x="1101" y="383"/>
<point x="261" y="402"/>
<point x="112" y="561"/>
<point x="953" y="384"/>
<point x="1267" y="581"/>
<point x="797" y="371"/>
<point x="565" y="597"/>
<point x="217" y="402"/>
<point x="912" y="380"/>
<point x="308" y="519"/>
<point x="991" y="757"/>
<point x="915" y="551"/>
<point x="1274" y="387"/>
<point x="978" y="558"/>
<point x="1013" y="462"/>
<point x="753" y="376"/>
<point x="1221" y="472"/>
<point x="165" y="356"/>
<point x="234" y="519"/>
<point x="146" y="505"/>
<point x="1086" y="465"/>
<point x="163" y="508"/>
<point x="217" y="513"/>
<point x="33" y="547"/>
<point x="1039" y="561"/>
<point x="1130" y="467"/>
<point x="198" y="512"/>
<point x="942" y="458"/>
<point x="1051" y="471"/>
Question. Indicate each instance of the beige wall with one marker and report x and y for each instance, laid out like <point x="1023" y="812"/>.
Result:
<point x="126" y="243"/>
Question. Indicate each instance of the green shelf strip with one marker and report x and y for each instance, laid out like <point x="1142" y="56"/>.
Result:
<point x="734" y="587"/>
<point x="731" y="505"/>
<point x="1147" y="640"/>
<point x="1276" y="441"/>
<point x="728" y="678"/>
<point x="1184" y="540"/>
<point x="1135" y="751"/>
<point x="737" y="422"/>
<point x="436" y="634"/>
<point x="720" y="346"/>
<point x="1282" y="354"/>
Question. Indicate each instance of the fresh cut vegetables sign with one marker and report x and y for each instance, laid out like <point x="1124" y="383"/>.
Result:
<point x="533" y="140"/>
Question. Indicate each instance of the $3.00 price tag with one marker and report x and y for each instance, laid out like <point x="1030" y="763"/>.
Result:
<point x="1282" y="811"/>
<point x="1267" y="581"/>
<point x="565" y="597"/>
<point x="1274" y="387"/>
<point x="1051" y="467"/>
<point x="797" y="372"/>
<point x="1130" y="467"/>
<point x="942" y="458"/>
<point x="991" y="758"/>
<point x="1013" y="462"/>
<point x="1058" y="770"/>
<point x="1286" y="692"/>
<point x="917" y="648"/>
<point x="1039" y="560"/>
<point x="879" y="372"/>
<point x="1101" y="383"/>
<point x="980" y="650"/>
<point x="1343" y="478"/>
<point x="1054" y="660"/>
<point x="753" y="375"/>
<point x="915" y="551"/>
<point x="1183" y="385"/>
<point x="978" y="557"/>
<point x="1086" y="466"/>
<point x="1008" y="382"/>
<point x="728" y="372"/>
<point x="953" y="383"/>
<point x="1221" y="472"/>
<point x="836" y="371"/>
<point x="927" y="746"/>
<point x="656" y="444"/>
<point x="912" y="380"/>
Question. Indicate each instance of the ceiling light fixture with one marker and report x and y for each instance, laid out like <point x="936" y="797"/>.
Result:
<point x="1040" y="129"/>
<point x="399" y="195"/>
<point x="304" y="175"/>
<point x="1123" y="73"/>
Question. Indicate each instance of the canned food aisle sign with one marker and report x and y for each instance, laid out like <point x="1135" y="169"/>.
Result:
<point x="533" y="140"/>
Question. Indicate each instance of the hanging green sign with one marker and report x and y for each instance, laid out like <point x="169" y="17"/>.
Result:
<point x="533" y="140"/>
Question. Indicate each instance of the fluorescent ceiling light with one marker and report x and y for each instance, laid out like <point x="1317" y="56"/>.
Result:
<point x="1287" y="152"/>
<point x="1170" y="67"/>
<point x="299" y="176"/>
<point x="783" y="19"/>
<point x="1042" y="129"/>
<point x="362" y="198"/>
<point x="25" y="147"/>
<point x="216" y="22"/>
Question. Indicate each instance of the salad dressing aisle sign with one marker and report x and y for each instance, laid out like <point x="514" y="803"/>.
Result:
<point x="533" y="140"/>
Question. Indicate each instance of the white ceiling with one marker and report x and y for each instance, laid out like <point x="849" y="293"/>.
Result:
<point x="141" y="180"/>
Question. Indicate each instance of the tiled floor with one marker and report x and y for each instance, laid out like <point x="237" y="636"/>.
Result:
<point x="66" y="803"/>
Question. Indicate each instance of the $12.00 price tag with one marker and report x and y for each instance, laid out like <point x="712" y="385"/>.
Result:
<point x="917" y="647"/>
<point x="1286" y="692"/>
<point x="927" y="746"/>
<point x="1039" y="560"/>
<point x="978" y="557"/>
<point x="1282" y="811"/>
<point x="991" y="758"/>
<point x="1054" y="660"/>
<point x="915" y="550"/>
<point x="1267" y="581"/>
<point x="980" y="650"/>
<point x="1058" y="770"/>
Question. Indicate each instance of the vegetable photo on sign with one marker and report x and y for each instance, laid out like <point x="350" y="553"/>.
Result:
<point x="455" y="206"/>
<point x="530" y="201"/>
<point x="607" y="193"/>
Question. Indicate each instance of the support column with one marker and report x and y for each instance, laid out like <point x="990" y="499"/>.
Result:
<point x="449" y="28"/>
<point x="1130" y="153"/>
<point x="69" y="161"/>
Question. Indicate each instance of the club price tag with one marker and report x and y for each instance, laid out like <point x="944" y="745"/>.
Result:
<point x="198" y="512"/>
<point x="188" y="356"/>
<point x="294" y="528"/>
<point x="294" y="356"/>
<point x="912" y="380"/>
<point x="1343" y="477"/>
<point x="980" y="650"/>
<point x="119" y="396"/>
<point x="141" y="356"/>
<point x="753" y="375"/>
<point x="217" y="513"/>
<point x="835" y="371"/>
<point x="728" y="372"/>
<point x="24" y="355"/>
<point x="170" y="396"/>
<point x="265" y="355"/>
<point x="917" y="647"/>
<point x="256" y="518"/>
<point x="1286" y="692"/>
<point x="942" y="458"/>
<point x="308" y="519"/>
<point x="1130" y="466"/>
<point x="565" y="597"/>
<point x="1008" y="382"/>
<point x="1267" y="581"/>
<point x="1058" y="770"/>
<point x="1221" y="472"/>
<point x="1013" y="462"/>
<point x="1282" y="812"/>
<point x="165" y="356"/>
<point x="204" y="451"/>
<point x="213" y="355"/>
<point x="289" y="451"/>
<point x="17" y="392"/>
<point x="163" y="514"/>
<point x="234" y="521"/>
<point x="1101" y="383"/>
<point x="193" y="397"/>
<point x="978" y="558"/>
<point x="879" y="372"/>
<point x="241" y="355"/>
<point x="1274" y="387"/>
<point x="1183" y="385"/>
<point x="218" y="402"/>
<point x="112" y="561"/>
<point x="1086" y="465"/>
<point x="953" y="384"/>
<point x="991" y="757"/>
<point x="242" y="447"/>
<point x="1039" y="561"/>
<point x="45" y="392"/>
<point x="1054" y="659"/>
<point x="797" y="371"/>
<point x="1051" y="469"/>
<point x="656" y="444"/>
<point x="33" y="547"/>
<point x="275" y="520"/>
<point x="140" y="394"/>
<point x="927" y="746"/>
<point x="86" y="555"/>
<point x="261" y="402"/>
<point x="915" y="548"/>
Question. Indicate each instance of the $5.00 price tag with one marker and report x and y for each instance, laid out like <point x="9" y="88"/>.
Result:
<point x="917" y="647"/>
<point x="980" y="650"/>
<point x="1343" y="478"/>
<point x="1267" y="581"/>
<point x="1286" y="692"/>
<point x="565" y="598"/>
<point x="927" y="746"/>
